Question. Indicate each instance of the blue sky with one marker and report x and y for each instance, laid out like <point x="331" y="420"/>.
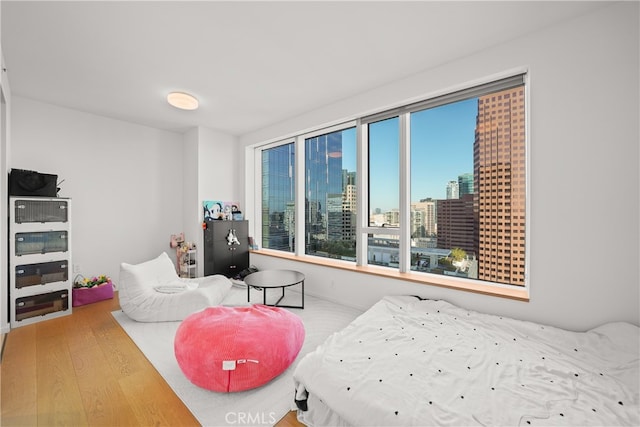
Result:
<point x="441" y="149"/>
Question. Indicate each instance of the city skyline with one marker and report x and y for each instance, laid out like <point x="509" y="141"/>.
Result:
<point x="441" y="150"/>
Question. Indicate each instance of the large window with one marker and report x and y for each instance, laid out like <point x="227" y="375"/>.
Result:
<point x="442" y="184"/>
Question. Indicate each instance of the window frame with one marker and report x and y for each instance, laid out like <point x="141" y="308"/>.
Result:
<point x="257" y="199"/>
<point x="363" y="229"/>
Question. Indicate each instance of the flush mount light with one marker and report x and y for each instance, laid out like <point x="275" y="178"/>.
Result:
<point x="182" y="100"/>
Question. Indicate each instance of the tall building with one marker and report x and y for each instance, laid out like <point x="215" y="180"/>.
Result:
<point x="499" y="176"/>
<point x="427" y="227"/>
<point x="335" y="219"/>
<point x="349" y="191"/>
<point x="417" y="222"/>
<point x="456" y="224"/>
<point x="392" y="217"/>
<point x="465" y="184"/>
<point x="349" y="208"/>
<point x="330" y="198"/>
<point x="323" y="180"/>
<point x="452" y="190"/>
<point x="278" y="190"/>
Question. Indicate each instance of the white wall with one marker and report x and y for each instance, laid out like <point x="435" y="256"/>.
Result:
<point x="584" y="158"/>
<point x="209" y="175"/>
<point x="218" y="178"/>
<point x="190" y="209"/>
<point x="125" y="181"/>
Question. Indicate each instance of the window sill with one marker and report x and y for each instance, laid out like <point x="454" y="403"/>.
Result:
<point x="420" y="278"/>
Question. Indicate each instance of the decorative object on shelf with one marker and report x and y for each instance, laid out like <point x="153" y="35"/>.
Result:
<point x="214" y="210"/>
<point x="252" y="244"/>
<point x="187" y="260"/>
<point x="185" y="256"/>
<point x="87" y="291"/>
<point x="176" y="240"/>
<point x="232" y="239"/>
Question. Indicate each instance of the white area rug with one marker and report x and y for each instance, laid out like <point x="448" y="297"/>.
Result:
<point x="261" y="406"/>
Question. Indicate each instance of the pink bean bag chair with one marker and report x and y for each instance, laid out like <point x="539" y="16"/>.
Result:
<point x="237" y="348"/>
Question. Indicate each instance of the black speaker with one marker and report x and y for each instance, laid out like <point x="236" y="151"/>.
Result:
<point x="31" y="183"/>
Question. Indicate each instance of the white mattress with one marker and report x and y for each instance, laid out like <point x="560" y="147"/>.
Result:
<point x="411" y="362"/>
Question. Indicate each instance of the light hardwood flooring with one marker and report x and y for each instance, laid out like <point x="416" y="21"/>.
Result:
<point x="84" y="370"/>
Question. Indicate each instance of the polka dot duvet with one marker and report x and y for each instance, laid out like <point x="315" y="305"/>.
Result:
<point x="421" y="362"/>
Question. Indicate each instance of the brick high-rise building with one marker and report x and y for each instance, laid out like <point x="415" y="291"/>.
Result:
<point x="455" y="224"/>
<point x="499" y="180"/>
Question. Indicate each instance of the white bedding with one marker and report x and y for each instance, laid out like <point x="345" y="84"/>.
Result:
<point x="411" y="362"/>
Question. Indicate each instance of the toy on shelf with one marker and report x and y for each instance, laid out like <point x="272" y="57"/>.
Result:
<point x="185" y="255"/>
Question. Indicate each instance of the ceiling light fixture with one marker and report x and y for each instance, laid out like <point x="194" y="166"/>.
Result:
<point x="182" y="100"/>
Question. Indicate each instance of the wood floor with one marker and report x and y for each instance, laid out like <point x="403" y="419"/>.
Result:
<point x="84" y="370"/>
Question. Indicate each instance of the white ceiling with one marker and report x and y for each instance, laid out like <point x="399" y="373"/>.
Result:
<point x="251" y="64"/>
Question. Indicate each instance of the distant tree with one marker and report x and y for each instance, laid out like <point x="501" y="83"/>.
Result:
<point x="445" y="263"/>
<point x="458" y="254"/>
<point x="336" y="248"/>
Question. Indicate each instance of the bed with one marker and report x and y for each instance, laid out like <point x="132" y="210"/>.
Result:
<point x="408" y="361"/>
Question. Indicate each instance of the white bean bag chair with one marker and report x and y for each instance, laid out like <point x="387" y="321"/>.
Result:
<point x="153" y="292"/>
